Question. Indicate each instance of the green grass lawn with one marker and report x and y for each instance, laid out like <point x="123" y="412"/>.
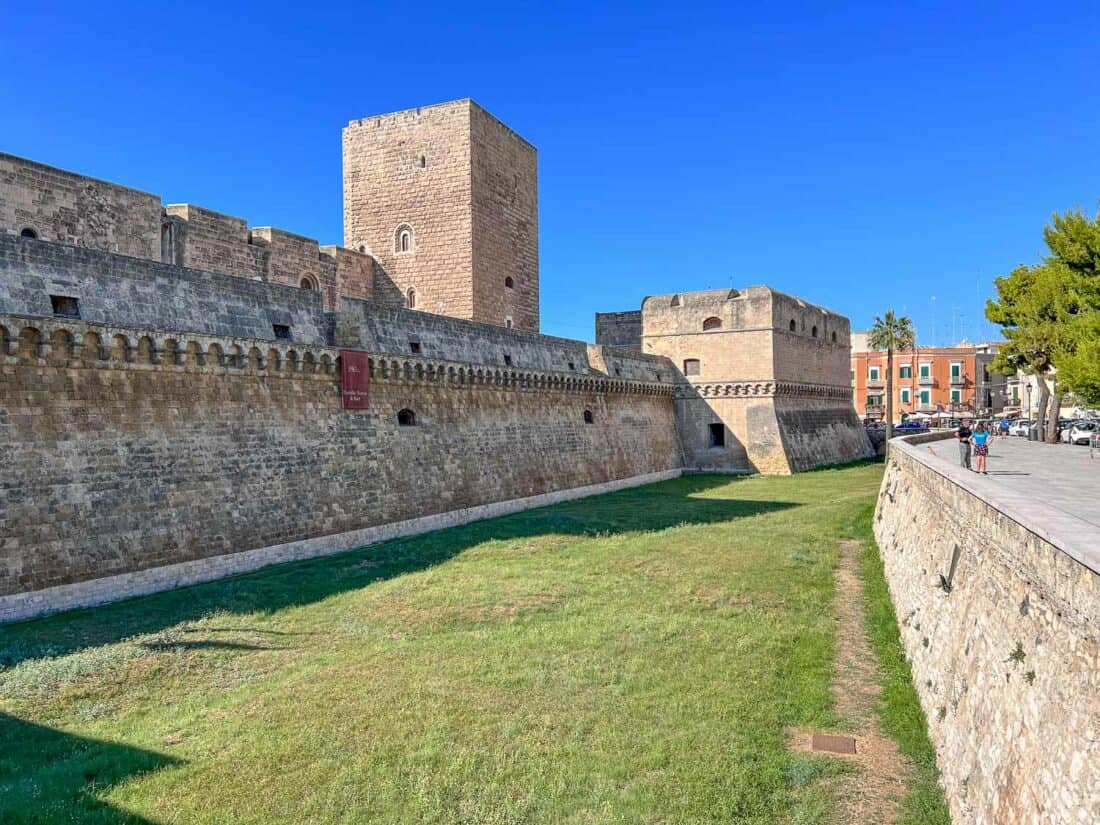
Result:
<point x="634" y="657"/>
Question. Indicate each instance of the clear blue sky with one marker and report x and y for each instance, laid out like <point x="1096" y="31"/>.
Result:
<point x="862" y="156"/>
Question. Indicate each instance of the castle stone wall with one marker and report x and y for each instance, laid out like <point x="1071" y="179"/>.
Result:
<point x="1005" y="662"/>
<point x="62" y="207"/>
<point x="781" y="398"/>
<point x="393" y="330"/>
<point x="505" y="223"/>
<point x="387" y="185"/>
<point x="112" y="289"/>
<point x="145" y="457"/>
<point x="619" y="329"/>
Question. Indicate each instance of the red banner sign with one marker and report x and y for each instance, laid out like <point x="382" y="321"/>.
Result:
<point x="354" y="379"/>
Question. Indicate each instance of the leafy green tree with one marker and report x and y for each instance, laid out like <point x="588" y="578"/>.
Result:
<point x="1050" y="314"/>
<point x="893" y="334"/>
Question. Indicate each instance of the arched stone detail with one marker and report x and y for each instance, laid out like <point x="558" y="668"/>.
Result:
<point x="61" y="346"/>
<point x="146" y="350"/>
<point x="121" y="349"/>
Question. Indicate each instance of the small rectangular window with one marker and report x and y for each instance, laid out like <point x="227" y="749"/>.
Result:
<point x="691" y="366"/>
<point x="718" y="435"/>
<point x="925" y="370"/>
<point x="956" y="395"/>
<point x="905" y="396"/>
<point x="414" y="347"/>
<point x="905" y="371"/>
<point x="65" y="306"/>
<point x="507" y="360"/>
<point x="956" y="370"/>
<point x="282" y="332"/>
<point x="571" y="366"/>
<point x="874" y="373"/>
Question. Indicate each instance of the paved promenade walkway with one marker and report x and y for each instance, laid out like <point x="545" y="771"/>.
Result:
<point x="1055" y="486"/>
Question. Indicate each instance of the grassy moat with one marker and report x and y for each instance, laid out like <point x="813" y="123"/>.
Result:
<point x="639" y="657"/>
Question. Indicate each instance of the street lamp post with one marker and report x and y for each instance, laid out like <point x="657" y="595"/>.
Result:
<point x="1030" y="427"/>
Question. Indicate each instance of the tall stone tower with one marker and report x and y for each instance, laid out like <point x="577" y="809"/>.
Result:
<point x="445" y="198"/>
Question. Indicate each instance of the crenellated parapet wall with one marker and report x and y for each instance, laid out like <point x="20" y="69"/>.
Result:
<point x="73" y="344"/>
<point x="999" y="619"/>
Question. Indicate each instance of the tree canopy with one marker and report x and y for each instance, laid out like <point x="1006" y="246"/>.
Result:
<point x="1049" y="312"/>
<point x="891" y="333"/>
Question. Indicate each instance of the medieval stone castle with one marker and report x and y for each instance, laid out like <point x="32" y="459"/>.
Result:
<point x="173" y="383"/>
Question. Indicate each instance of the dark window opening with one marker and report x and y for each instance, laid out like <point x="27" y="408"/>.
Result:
<point x="507" y="360"/>
<point x="410" y="298"/>
<point x="508" y="323"/>
<point x="508" y="282"/>
<point x="414" y="347"/>
<point x="712" y="323"/>
<point x="588" y="417"/>
<point x="691" y="366"/>
<point x="65" y="306"/>
<point x="718" y="435"/>
<point x="282" y="332"/>
<point x="423" y="162"/>
<point x="406" y="418"/>
<point x="27" y="232"/>
<point x="571" y="366"/>
<point x="675" y="302"/>
<point x="306" y="283"/>
<point x="813" y="332"/>
<point x="834" y="337"/>
<point x="618" y="371"/>
<point x="793" y="327"/>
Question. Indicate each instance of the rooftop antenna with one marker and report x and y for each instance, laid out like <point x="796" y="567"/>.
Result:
<point x="933" y="321"/>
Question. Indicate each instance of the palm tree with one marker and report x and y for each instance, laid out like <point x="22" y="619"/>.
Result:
<point x="892" y="334"/>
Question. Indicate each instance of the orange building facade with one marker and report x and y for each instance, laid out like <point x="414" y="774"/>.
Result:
<point x="949" y="380"/>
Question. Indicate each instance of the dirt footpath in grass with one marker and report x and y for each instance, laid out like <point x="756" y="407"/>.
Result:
<point x="875" y="792"/>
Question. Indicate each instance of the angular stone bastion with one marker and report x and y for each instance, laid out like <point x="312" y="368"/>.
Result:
<point x="1000" y="619"/>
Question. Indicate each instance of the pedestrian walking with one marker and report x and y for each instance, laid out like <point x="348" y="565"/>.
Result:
<point x="963" y="434"/>
<point x="1004" y="427"/>
<point x="980" y="440"/>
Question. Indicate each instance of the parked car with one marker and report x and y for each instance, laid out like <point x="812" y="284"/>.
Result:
<point x="1065" y="430"/>
<point x="1020" y="427"/>
<point x="1081" y="432"/>
<point x="910" y="426"/>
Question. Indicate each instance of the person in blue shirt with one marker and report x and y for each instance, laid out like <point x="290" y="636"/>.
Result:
<point x="980" y="441"/>
<point x="1004" y="428"/>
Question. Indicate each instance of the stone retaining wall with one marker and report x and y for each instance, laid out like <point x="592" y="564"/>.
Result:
<point x="1005" y="652"/>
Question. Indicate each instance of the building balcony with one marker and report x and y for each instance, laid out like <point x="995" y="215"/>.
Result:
<point x="876" y="383"/>
<point x="926" y="381"/>
<point x="958" y="380"/>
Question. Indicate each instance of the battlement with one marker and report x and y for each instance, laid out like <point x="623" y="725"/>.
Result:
<point x="41" y="202"/>
<point x="75" y="344"/>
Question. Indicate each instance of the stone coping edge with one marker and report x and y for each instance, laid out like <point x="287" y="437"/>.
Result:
<point x="1009" y="503"/>
<point x="36" y="603"/>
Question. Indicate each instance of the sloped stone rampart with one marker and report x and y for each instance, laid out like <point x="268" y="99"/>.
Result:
<point x="1005" y="650"/>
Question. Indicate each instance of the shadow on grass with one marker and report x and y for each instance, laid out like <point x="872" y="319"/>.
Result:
<point x="47" y="775"/>
<point x="682" y="501"/>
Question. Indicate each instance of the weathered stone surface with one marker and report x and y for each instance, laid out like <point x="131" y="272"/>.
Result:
<point x="466" y="186"/>
<point x="768" y="369"/>
<point x="113" y="289"/>
<point x="140" y="455"/>
<point x="1006" y="661"/>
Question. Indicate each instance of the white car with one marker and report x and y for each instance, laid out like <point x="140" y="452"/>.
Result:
<point x="1019" y="427"/>
<point x="1081" y="432"/>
